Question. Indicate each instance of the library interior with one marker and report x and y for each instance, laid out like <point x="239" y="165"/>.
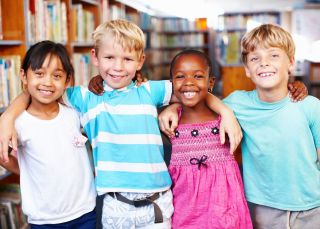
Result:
<point x="212" y="26"/>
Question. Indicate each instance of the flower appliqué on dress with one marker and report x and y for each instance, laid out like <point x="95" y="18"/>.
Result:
<point x="79" y="140"/>
<point x="215" y="130"/>
<point x="194" y="133"/>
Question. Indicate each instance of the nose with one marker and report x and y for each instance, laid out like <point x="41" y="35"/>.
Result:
<point x="118" y="65"/>
<point x="47" y="80"/>
<point x="264" y="62"/>
<point x="189" y="80"/>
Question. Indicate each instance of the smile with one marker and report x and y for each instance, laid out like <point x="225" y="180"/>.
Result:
<point x="189" y="94"/>
<point x="266" y="74"/>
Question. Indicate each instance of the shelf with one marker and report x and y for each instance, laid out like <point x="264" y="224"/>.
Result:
<point x="10" y="42"/>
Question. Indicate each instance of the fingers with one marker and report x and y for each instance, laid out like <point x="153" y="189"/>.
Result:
<point x="4" y="151"/>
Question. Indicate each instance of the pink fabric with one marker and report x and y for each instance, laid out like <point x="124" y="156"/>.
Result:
<point x="212" y="196"/>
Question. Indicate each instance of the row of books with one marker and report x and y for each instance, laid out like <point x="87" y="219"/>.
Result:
<point x="158" y="40"/>
<point x="47" y="20"/>
<point x="84" y="69"/>
<point x="162" y="57"/>
<point x="82" y="24"/>
<point x="1" y="31"/>
<point x="11" y="215"/>
<point x="240" y="21"/>
<point x="10" y="85"/>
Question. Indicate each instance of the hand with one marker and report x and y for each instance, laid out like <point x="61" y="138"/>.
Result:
<point x="8" y="137"/>
<point x="230" y="125"/>
<point x="96" y="85"/>
<point x="168" y="119"/>
<point x="140" y="79"/>
<point x="298" y="91"/>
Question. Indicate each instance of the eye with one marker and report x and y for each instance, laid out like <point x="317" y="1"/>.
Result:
<point x="128" y="59"/>
<point x="198" y="76"/>
<point x="275" y="55"/>
<point x="57" y="76"/>
<point x="254" y="59"/>
<point x="179" y="76"/>
<point x="39" y="73"/>
<point x="108" y="57"/>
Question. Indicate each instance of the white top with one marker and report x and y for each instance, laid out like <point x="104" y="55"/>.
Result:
<point x="56" y="177"/>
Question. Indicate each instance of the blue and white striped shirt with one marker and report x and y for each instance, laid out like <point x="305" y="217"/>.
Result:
<point x="123" y="129"/>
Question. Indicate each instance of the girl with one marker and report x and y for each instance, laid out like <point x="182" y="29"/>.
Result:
<point x="56" y="179"/>
<point x="207" y="187"/>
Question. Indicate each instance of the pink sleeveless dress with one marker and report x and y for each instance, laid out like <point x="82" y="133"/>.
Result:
<point x="207" y="186"/>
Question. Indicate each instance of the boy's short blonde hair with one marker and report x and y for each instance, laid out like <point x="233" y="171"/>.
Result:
<point x="125" y="33"/>
<point x="267" y="35"/>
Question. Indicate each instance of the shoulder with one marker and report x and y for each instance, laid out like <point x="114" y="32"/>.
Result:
<point x="238" y="97"/>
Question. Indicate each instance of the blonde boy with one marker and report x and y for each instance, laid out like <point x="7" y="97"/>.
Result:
<point x="281" y="138"/>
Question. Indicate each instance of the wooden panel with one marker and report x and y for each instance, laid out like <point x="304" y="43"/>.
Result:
<point x="234" y="78"/>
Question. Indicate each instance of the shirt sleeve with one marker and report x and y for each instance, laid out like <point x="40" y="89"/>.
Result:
<point x="160" y="91"/>
<point x="314" y="119"/>
<point x="75" y="97"/>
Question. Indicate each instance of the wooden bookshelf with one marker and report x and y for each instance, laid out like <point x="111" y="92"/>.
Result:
<point x="230" y="29"/>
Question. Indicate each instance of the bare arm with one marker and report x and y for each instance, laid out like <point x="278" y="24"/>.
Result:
<point x="7" y="119"/>
<point x="168" y="121"/>
<point x="229" y="123"/>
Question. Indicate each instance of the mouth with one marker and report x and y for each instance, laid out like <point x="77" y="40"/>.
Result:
<point x="266" y="74"/>
<point x="189" y="94"/>
<point x="45" y="92"/>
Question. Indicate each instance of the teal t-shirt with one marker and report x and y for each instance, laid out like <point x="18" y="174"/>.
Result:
<point x="279" y="150"/>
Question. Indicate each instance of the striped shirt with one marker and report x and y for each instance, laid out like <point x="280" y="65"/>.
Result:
<point x="123" y="129"/>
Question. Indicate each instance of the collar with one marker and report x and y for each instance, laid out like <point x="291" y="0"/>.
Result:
<point x="109" y="89"/>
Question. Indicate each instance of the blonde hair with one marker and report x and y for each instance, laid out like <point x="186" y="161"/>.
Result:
<point x="125" y="33"/>
<point x="267" y="35"/>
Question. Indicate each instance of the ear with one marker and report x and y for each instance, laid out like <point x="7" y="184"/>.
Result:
<point x="94" y="57"/>
<point x="212" y="80"/>
<point x="141" y="61"/>
<point x="23" y="78"/>
<point x="247" y="71"/>
<point x="292" y="65"/>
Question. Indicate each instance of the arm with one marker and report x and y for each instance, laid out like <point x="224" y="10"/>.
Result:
<point x="229" y="123"/>
<point x="12" y="165"/>
<point x="168" y="121"/>
<point x="7" y="119"/>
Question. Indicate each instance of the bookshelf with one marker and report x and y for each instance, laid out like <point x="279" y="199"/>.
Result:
<point x="314" y="79"/>
<point x="71" y="23"/>
<point x="229" y="31"/>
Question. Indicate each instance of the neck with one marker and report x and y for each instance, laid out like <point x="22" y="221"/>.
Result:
<point x="271" y="96"/>
<point x="196" y="114"/>
<point x="44" y="111"/>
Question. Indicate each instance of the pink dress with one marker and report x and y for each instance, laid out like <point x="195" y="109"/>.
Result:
<point x="207" y="186"/>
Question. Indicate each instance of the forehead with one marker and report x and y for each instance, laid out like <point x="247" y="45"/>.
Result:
<point x="260" y="49"/>
<point x="191" y="60"/>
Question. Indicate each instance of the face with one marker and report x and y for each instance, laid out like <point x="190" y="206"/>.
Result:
<point x="190" y="79"/>
<point x="47" y="84"/>
<point x="269" y="68"/>
<point x="116" y="65"/>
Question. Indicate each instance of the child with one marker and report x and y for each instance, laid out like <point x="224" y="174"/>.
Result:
<point x="56" y="179"/>
<point x="281" y="138"/>
<point x="207" y="187"/>
<point x="123" y="129"/>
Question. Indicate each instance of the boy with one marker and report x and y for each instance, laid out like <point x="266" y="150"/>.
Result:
<point x="123" y="130"/>
<point x="281" y="143"/>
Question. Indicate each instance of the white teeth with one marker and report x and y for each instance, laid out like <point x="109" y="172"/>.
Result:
<point x="266" y="74"/>
<point x="189" y="94"/>
<point x="46" y="92"/>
